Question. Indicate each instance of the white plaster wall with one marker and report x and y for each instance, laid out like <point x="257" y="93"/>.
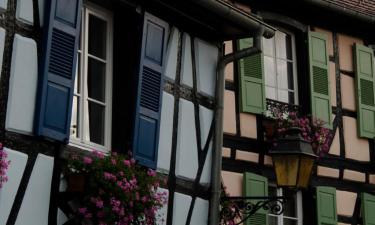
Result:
<point x="187" y="157"/>
<point x="22" y="86"/>
<point x="9" y="190"/>
<point x="2" y="42"/>
<point x="161" y="215"/>
<point x="207" y="58"/>
<point x="200" y="212"/>
<point x="165" y="137"/>
<point x="24" y="11"/>
<point x="206" y="116"/>
<point x="3" y="5"/>
<point x="35" y="205"/>
<point x="61" y="218"/>
<point x="181" y="208"/>
<point x="171" y="63"/>
<point x="187" y="66"/>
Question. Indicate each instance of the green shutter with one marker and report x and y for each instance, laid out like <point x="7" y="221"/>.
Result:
<point x="255" y="185"/>
<point x="319" y="78"/>
<point x="252" y="93"/>
<point x="368" y="209"/>
<point x="326" y="205"/>
<point x="364" y="74"/>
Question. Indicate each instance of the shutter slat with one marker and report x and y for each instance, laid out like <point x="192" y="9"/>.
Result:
<point x="147" y="121"/>
<point x="368" y="209"/>
<point x="326" y="205"/>
<point x="364" y="76"/>
<point x="57" y="70"/>
<point x="251" y="74"/>
<point x="256" y="185"/>
<point x="319" y="78"/>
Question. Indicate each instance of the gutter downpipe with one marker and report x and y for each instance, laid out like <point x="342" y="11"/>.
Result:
<point x="218" y="138"/>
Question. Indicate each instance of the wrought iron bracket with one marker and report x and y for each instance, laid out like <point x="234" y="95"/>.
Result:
<point x="248" y="206"/>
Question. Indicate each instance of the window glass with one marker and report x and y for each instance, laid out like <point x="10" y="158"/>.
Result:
<point x="96" y="123"/>
<point x="280" y="42"/>
<point x="269" y="47"/>
<point x="270" y="71"/>
<point x="97" y="36"/>
<point x="280" y="67"/>
<point x="292" y="208"/>
<point x="96" y="75"/>
<point x="91" y="121"/>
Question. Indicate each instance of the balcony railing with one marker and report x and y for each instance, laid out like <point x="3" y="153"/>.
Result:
<point x="274" y="108"/>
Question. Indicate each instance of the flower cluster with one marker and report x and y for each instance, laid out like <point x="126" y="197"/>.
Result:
<point x="229" y="210"/>
<point x="118" y="191"/>
<point x="4" y="164"/>
<point x="312" y="130"/>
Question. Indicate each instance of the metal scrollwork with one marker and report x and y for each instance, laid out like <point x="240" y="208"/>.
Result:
<point x="276" y="107"/>
<point x="243" y="208"/>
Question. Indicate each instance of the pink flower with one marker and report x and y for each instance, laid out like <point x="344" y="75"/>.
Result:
<point x="99" y="204"/>
<point x="82" y="210"/>
<point x="100" y="214"/>
<point x="98" y="154"/>
<point x="87" y="160"/>
<point x="127" y="163"/>
<point x="151" y="173"/>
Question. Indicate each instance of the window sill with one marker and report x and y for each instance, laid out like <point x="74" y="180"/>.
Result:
<point x="89" y="146"/>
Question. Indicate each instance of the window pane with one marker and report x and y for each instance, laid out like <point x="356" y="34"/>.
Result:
<point x="282" y="74"/>
<point x="97" y="36"/>
<point x="74" y="128"/>
<point x="290" y="205"/>
<point x="272" y="191"/>
<point x="283" y="96"/>
<point x="77" y="80"/>
<point x="269" y="46"/>
<point x="270" y="93"/>
<point x="96" y="123"/>
<point x="272" y="220"/>
<point x="269" y="71"/>
<point x="289" y="50"/>
<point x="280" y="44"/>
<point x="285" y="75"/>
<point x="290" y="76"/>
<point x="292" y="99"/>
<point x="290" y="222"/>
<point x="96" y="80"/>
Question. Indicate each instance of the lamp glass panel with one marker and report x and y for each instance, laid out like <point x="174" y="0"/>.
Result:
<point x="286" y="168"/>
<point x="305" y="171"/>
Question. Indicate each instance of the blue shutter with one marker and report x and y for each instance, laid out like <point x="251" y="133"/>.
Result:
<point x="57" y="68"/>
<point x="147" y="119"/>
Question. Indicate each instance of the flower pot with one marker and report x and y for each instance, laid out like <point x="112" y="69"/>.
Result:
<point x="76" y="182"/>
<point x="269" y="128"/>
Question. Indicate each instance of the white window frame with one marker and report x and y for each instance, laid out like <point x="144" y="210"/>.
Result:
<point x="295" y="77"/>
<point x="83" y="123"/>
<point x="299" y="212"/>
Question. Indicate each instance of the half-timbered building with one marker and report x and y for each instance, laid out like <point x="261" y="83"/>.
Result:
<point x="146" y="76"/>
<point x="320" y="62"/>
<point x="114" y="75"/>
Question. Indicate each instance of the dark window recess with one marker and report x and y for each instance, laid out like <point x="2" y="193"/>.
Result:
<point x="126" y="55"/>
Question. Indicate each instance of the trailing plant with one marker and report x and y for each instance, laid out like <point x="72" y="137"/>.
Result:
<point x="4" y="164"/>
<point x="229" y="210"/>
<point x="117" y="191"/>
<point x="312" y="130"/>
